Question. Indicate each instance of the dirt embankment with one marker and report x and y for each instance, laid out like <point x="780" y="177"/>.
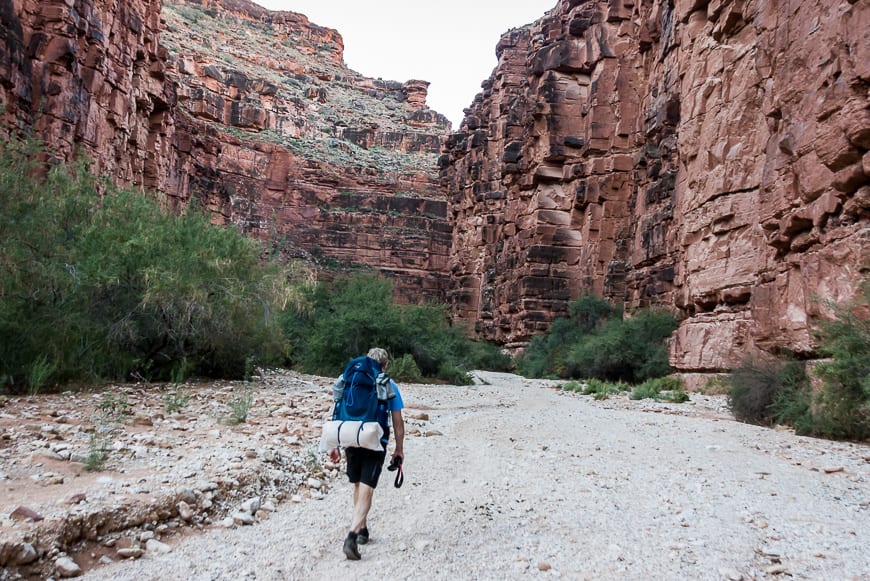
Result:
<point x="175" y="462"/>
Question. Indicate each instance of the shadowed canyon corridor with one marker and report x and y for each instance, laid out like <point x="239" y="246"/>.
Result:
<point x="712" y="157"/>
<point x="709" y="157"/>
<point x="524" y="480"/>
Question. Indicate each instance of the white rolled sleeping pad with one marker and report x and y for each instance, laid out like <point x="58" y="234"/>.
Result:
<point x="351" y="434"/>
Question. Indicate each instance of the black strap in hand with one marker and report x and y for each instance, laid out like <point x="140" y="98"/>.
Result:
<point x="396" y="464"/>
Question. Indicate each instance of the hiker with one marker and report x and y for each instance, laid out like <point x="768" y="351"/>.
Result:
<point x="363" y="465"/>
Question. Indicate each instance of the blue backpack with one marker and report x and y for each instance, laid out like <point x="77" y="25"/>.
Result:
<point x="359" y="402"/>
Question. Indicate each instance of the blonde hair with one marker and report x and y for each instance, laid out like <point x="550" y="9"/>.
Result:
<point x="379" y="355"/>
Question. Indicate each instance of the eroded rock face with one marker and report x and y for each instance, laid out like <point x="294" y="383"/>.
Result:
<point x="283" y="140"/>
<point x="328" y="214"/>
<point x="711" y="156"/>
<point x="252" y="113"/>
<point x="90" y="75"/>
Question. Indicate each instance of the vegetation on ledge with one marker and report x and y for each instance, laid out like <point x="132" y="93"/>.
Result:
<point x="99" y="283"/>
<point x="311" y="98"/>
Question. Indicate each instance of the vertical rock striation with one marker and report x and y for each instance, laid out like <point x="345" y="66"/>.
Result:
<point x="707" y="155"/>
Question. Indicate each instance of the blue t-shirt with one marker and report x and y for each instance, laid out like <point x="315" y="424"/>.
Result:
<point x="393" y="405"/>
<point x="396" y="403"/>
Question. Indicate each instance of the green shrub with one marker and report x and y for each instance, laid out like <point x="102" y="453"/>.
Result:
<point x="479" y="354"/>
<point x="716" y="385"/>
<point x="602" y="389"/>
<point x="644" y="391"/>
<point x="572" y="386"/>
<point x="346" y="320"/>
<point x="99" y="446"/>
<point x="590" y="312"/>
<point x="756" y="387"/>
<point x="39" y="373"/>
<point x="175" y="400"/>
<point x="793" y="402"/>
<point x="405" y="369"/>
<point x="597" y="342"/>
<point x="753" y="392"/>
<point x="250" y="367"/>
<point x="174" y="290"/>
<point x="113" y="286"/>
<point x="594" y="386"/>
<point x="454" y="375"/>
<point x="356" y="313"/>
<point x="537" y="360"/>
<point x="669" y="389"/>
<point x="181" y="370"/>
<point x="675" y="396"/>
<point x="114" y="406"/>
<point x="109" y="417"/>
<point x="842" y="408"/>
<point x="781" y="391"/>
<point x="240" y="406"/>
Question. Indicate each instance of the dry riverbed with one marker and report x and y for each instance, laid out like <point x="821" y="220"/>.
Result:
<point x="510" y="478"/>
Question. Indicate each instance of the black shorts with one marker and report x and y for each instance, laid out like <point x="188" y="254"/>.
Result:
<point x="364" y="465"/>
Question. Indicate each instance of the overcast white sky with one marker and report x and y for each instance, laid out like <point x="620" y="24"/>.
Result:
<point x="450" y="43"/>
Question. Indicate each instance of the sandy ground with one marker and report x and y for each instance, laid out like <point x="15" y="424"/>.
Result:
<point x="526" y="480"/>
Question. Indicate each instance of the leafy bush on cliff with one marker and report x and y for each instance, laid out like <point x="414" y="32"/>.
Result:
<point x="842" y="409"/>
<point x="112" y="286"/>
<point x="596" y="341"/>
<point x="356" y="313"/>
<point x="781" y="392"/>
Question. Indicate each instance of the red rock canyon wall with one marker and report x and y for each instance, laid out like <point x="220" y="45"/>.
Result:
<point x="706" y="155"/>
<point x="90" y="75"/>
<point x="251" y="112"/>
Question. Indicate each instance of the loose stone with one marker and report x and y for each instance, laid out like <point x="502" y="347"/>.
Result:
<point x="66" y="567"/>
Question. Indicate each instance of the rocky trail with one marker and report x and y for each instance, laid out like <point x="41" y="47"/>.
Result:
<point x="506" y="479"/>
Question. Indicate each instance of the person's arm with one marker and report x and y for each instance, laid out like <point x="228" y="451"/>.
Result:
<point x="399" y="434"/>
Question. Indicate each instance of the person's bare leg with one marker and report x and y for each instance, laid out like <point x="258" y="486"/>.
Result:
<point x="356" y="493"/>
<point x="362" y="502"/>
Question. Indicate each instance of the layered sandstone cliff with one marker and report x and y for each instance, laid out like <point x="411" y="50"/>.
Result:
<point x="283" y="139"/>
<point x="709" y="155"/>
<point x="250" y="112"/>
<point x="706" y="155"/>
<point x="90" y="75"/>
